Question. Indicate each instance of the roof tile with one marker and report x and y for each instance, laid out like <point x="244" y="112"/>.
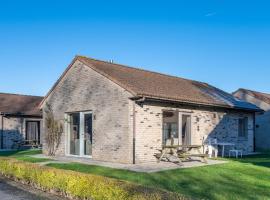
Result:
<point x="157" y="85"/>
<point x="20" y="104"/>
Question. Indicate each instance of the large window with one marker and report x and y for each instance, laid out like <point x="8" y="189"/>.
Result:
<point x="170" y="128"/>
<point x="243" y="127"/>
<point x="32" y="132"/>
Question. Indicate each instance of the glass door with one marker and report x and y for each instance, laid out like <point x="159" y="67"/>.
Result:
<point x="74" y="135"/>
<point x="170" y="128"/>
<point x="185" y="129"/>
<point x="80" y="134"/>
<point x="87" y="134"/>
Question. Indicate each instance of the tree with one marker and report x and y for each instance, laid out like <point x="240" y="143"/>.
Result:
<point x="54" y="130"/>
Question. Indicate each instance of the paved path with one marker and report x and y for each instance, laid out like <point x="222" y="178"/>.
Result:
<point x="10" y="190"/>
<point x="143" y="167"/>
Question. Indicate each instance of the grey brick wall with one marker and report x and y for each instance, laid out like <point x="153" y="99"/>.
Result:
<point x="222" y="125"/>
<point x="83" y="89"/>
<point x="15" y="129"/>
<point x="262" y="133"/>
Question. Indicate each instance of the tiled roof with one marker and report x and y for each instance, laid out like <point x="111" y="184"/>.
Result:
<point x="258" y="95"/>
<point x="143" y="83"/>
<point x="155" y="85"/>
<point x="20" y="104"/>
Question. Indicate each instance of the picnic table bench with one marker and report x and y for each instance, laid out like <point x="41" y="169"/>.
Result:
<point x="25" y="143"/>
<point x="182" y="152"/>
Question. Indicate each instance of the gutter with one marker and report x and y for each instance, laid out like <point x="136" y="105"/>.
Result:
<point x="142" y="98"/>
<point x="254" y="132"/>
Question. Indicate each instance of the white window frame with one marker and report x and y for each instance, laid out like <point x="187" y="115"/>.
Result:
<point x="67" y="128"/>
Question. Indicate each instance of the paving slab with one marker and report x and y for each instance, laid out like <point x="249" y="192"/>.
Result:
<point x="143" y="167"/>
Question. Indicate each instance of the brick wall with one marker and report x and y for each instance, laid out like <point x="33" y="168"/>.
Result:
<point x="215" y="124"/>
<point x="83" y="89"/>
<point x="14" y="129"/>
<point x="262" y="121"/>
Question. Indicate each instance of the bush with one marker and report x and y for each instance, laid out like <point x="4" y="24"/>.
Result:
<point x="78" y="185"/>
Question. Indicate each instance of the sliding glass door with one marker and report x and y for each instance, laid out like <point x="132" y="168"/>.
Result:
<point x="74" y="134"/>
<point x="87" y="134"/>
<point x="176" y="128"/>
<point x="186" y="129"/>
<point x="80" y="134"/>
<point x="170" y="128"/>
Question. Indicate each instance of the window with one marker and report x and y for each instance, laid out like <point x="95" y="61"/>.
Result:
<point x="32" y="134"/>
<point x="243" y="127"/>
<point x="170" y="127"/>
<point x="170" y="130"/>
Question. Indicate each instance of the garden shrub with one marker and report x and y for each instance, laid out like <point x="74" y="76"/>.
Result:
<point x="79" y="185"/>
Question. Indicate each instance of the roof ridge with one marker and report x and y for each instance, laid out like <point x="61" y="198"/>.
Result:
<point x="27" y="95"/>
<point x="254" y="91"/>
<point x="144" y="70"/>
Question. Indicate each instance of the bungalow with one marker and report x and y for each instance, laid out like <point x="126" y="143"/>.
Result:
<point x="262" y="100"/>
<point x="111" y="112"/>
<point x="20" y="120"/>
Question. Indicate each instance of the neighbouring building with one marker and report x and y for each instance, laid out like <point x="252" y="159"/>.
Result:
<point x="20" y="120"/>
<point x="111" y="112"/>
<point x="262" y="100"/>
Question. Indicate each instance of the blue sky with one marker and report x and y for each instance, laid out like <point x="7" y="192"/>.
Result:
<point x="222" y="42"/>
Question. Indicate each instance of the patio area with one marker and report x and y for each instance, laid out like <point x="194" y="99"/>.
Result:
<point x="143" y="167"/>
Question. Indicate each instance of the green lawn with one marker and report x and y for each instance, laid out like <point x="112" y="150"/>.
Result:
<point x="24" y="155"/>
<point x="247" y="178"/>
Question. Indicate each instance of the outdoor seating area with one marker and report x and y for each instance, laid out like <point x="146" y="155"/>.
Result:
<point x="26" y="144"/>
<point x="182" y="153"/>
<point x="236" y="152"/>
<point x="212" y="146"/>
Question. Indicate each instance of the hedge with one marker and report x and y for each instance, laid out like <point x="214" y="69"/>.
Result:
<point x="78" y="185"/>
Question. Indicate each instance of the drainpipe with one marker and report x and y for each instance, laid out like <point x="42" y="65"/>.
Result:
<point x="134" y="132"/>
<point x="254" y="132"/>
<point x="2" y="132"/>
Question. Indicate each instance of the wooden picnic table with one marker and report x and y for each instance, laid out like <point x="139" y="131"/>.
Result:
<point x="183" y="152"/>
<point x="32" y="143"/>
<point x="20" y="143"/>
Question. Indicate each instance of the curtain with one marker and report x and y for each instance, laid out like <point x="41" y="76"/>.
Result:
<point x="186" y="125"/>
<point x="32" y="131"/>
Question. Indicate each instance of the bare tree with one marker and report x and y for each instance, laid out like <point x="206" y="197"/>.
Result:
<point x="54" y="130"/>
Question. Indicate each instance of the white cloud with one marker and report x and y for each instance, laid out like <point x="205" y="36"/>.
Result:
<point x="210" y="14"/>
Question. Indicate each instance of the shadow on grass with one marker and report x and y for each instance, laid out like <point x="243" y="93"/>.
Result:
<point x="20" y="153"/>
<point x="262" y="160"/>
<point x="33" y="160"/>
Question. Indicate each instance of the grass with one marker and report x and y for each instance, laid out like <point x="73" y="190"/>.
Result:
<point x="247" y="178"/>
<point x="24" y="155"/>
